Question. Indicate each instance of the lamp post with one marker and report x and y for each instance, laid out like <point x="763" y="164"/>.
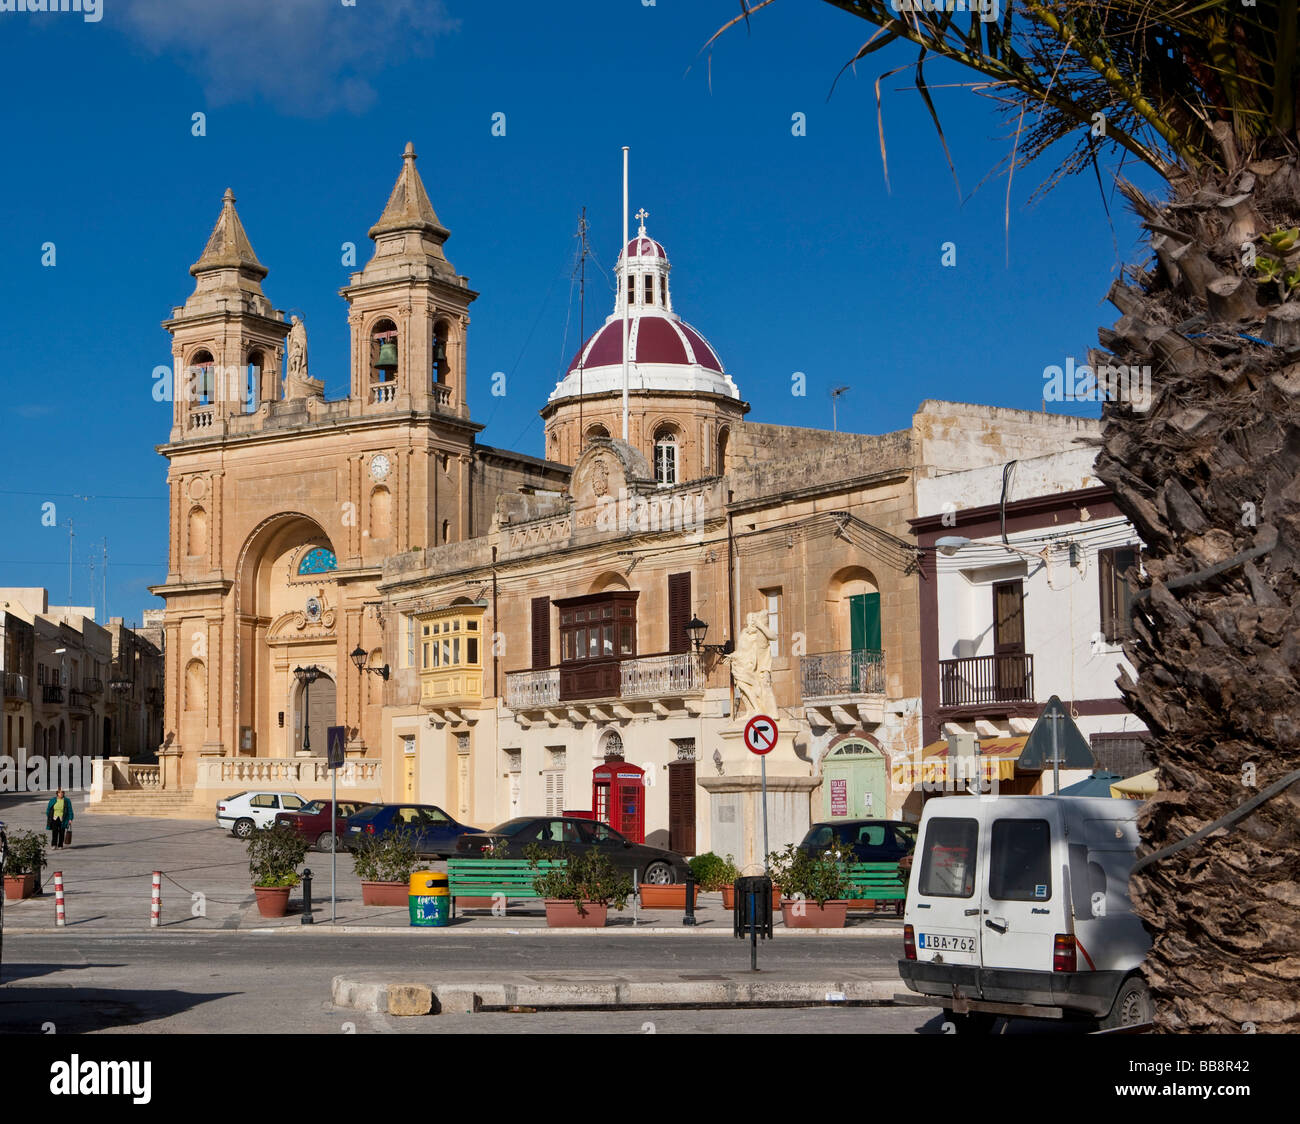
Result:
<point x="119" y="684"/>
<point x="306" y="676"/>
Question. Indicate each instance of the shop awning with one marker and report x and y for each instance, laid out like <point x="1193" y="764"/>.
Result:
<point x="1137" y="788"/>
<point x="996" y="760"/>
<point x="1099" y="784"/>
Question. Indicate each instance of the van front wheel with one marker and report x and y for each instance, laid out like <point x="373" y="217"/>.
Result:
<point x="1132" y="1006"/>
<point x="973" y="1022"/>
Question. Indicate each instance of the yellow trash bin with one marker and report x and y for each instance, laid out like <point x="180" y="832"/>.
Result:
<point x="429" y="898"/>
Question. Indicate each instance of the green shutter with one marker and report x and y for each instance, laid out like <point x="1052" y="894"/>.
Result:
<point x="864" y="622"/>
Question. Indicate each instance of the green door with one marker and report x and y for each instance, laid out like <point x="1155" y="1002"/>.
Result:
<point x="853" y="783"/>
<point x="866" y="670"/>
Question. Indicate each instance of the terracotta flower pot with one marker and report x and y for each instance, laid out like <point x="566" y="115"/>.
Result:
<point x="385" y="893"/>
<point x="665" y="897"/>
<point x="729" y="897"/>
<point x="862" y="903"/>
<point x="19" y="886"/>
<point x="809" y="915"/>
<point x="564" y="914"/>
<point x="272" y="901"/>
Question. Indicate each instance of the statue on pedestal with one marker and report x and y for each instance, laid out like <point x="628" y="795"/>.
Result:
<point x="297" y="382"/>
<point x="751" y="669"/>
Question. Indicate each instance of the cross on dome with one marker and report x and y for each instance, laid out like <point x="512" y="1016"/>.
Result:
<point x="641" y="216"/>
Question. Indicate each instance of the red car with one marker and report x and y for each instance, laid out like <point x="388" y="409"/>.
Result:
<point x="313" y="821"/>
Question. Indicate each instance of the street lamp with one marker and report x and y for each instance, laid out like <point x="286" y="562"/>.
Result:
<point x="696" y="629"/>
<point x="950" y="544"/>
<point x="358" y="655"/>
<point x="306" y="676"/>
<point x="119" y="684"/>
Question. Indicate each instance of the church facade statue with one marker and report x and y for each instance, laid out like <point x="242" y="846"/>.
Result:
<point x="751" y="668"/>
<point x="297" y="382"/>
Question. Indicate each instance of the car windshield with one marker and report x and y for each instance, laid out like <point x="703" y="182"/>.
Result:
<point x="510" y="827"/>
<point x="312" y="808"/>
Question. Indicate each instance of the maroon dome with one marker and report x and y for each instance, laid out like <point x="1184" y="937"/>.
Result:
<point x="655" y="339"/>
<point x="645" y="247"/>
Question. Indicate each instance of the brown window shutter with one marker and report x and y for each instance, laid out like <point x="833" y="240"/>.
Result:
<point x="541" y="632"/>
<point x="681" y="807"/>
<point x="679" y="612"/>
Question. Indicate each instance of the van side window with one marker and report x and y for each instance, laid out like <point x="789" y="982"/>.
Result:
<point x="948" y="865"/>
<point x="1020" y="862"/>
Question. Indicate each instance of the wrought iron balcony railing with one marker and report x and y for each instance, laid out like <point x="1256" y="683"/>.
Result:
<point x="986" y="680"/>
<point x="831" y="674"/>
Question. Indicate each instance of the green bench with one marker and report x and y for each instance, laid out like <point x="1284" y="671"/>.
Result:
<point x="876" y="882"/>
<point x="486" y="878"/>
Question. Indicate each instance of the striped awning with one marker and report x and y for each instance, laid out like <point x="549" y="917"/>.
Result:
<point x="996" y="760"/>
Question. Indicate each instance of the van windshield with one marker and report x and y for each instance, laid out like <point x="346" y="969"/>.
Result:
<point x="948" y="865"/>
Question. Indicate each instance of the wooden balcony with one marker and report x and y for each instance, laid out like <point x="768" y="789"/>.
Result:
<point x="843" y="689"/>
<point x="986" y="682"/>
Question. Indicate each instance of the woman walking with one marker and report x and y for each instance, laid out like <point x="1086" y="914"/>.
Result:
<point x="58" y="818"/>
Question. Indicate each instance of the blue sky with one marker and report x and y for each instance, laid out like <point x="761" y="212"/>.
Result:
<point x="789" y="252"/>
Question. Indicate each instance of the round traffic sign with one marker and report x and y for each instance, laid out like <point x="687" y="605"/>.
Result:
<point x="760" y="734"/>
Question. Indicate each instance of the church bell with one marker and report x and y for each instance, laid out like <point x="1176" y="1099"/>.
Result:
<point x="387" y="360"/>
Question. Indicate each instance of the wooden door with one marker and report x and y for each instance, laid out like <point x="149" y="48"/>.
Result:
<point x="681" y="807"/>
<point x="1009" y="639"/>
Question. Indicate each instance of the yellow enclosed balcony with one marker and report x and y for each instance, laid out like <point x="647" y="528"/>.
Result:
<point x="451" y="661"/>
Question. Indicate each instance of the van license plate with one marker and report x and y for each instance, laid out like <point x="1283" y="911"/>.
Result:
<point x="942" y="942"/>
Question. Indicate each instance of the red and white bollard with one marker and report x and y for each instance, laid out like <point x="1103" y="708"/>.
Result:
<point x="155" y="909"/>
<point x="59" y="919"/>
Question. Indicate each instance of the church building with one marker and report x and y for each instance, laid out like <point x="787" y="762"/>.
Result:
<point x="501" y="634"/>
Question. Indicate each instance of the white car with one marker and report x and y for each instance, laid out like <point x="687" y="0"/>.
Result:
<point x="246" y="810"/>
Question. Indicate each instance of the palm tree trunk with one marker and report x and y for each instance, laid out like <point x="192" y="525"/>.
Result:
<point x="1209" y="475"/>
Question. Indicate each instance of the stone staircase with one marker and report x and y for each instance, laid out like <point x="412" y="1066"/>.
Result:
<point x="177" y="804"/>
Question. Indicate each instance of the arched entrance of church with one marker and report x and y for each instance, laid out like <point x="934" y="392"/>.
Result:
<point x="288" y="618"/>
<point x="854" y="781"/>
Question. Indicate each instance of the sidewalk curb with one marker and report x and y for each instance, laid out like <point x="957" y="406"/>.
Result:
<point x="324" y="927"/>
<point x="408" y="997"/>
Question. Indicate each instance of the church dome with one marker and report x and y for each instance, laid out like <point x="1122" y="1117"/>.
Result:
<point x="664" y="352"/>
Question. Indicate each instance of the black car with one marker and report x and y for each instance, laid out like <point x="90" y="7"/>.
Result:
<point x="562" y="833"/>
<point x="871" y="841"/>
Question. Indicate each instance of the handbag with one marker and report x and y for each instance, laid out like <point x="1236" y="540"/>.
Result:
<point x="67" y="836"/>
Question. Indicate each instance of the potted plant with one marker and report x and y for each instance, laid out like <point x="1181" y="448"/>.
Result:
<point x="579" y="893"/>
<point x="814" y="888"/>
<point x="24" y="860"/>
<point x="274" y="854"/>
<point x="384" y="864"/>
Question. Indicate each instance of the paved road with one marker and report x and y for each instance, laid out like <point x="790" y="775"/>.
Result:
<point x="278" y="982"/>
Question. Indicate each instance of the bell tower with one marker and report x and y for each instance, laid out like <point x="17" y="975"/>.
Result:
<point x="409" y="311"/>
<point x="227" y="340"/>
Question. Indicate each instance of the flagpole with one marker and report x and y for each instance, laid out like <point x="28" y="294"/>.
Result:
<point x="626" y="264"/>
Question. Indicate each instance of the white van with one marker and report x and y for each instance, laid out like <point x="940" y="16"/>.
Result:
<point x="1019" y="906"/>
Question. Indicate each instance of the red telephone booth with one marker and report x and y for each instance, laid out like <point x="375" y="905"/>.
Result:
<point x="618" y="798"/>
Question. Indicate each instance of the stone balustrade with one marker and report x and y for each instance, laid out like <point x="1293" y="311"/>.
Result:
<point x="290" y="772"/>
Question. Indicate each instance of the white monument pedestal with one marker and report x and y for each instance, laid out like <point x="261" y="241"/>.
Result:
<point x="736" y="799"/>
